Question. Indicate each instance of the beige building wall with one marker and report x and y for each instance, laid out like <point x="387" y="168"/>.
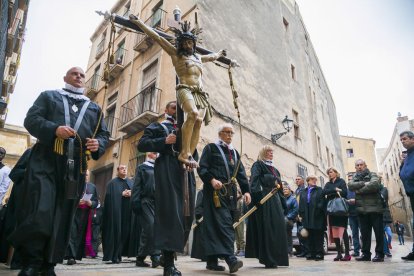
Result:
<point x="279" y="75"/>
<point x="354" y="148"/>
<point x="15" y="139"/>
<point x="389" y="165"/>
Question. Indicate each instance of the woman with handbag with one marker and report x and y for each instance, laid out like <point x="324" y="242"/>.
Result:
<point x="336" y="192"/>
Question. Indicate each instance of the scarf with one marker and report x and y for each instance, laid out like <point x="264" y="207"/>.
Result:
<point x="149" y="163"/>
<point x="359" y="176"/>
<point x="268" y="162"/>
<point x="224" y="144"/>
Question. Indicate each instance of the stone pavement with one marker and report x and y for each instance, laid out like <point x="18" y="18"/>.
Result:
<point x="298" y="266"/>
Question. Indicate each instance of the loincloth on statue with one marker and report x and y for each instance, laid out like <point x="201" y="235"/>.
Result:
<point x="200" y="98"/>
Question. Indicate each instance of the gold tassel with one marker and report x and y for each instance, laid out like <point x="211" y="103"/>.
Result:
<point x="216" y="200"/>
<point x="88" y="155"/>
<point x="58" y="149"/>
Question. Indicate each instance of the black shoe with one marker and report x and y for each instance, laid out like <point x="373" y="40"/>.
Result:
<point x="363" y="258"/>
<point x="71" y="261"/>
<point x="49" y="271"/>
<point x="28" y="271"/>
<point x="319" y="258"/>
<point x="155" y="261"/>
<point x="378" y="259"/>
<point x="409" y="257"/>
<point x="389" y="255"/>
<point x="310" y="257"/>
<point x="162" y="263"/>
<point x="171" y="271"/>
<point x="355" y="254"/>
<point x="141" y="263"/>
<point x="338" y="257"/>
<point x="234" y="266"/>
<point x="301" y="255"/>
<point x="215" y="267"/>
<point x="270" y="266"/>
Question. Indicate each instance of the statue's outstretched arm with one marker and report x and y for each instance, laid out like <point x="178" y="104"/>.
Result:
<point x="213" y="56"/>
<point x="165" y="44"/>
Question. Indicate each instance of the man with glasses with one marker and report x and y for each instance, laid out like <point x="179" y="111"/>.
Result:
<point x="218" y="165"/>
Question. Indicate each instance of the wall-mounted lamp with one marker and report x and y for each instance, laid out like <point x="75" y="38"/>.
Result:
<point x="287" y="124"/>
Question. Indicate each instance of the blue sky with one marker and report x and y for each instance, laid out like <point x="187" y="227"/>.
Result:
<point x="365" y="48"/>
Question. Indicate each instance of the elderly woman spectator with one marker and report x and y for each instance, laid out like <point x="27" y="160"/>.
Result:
<point x="336" y="187"/>
<point x="266" y="239"/>
<point x="312" y="215"/>
<point x="291" y="212"/>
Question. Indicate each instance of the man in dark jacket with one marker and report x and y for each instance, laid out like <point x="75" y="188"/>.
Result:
<point x="407" y="175"/>
<point x="369" y="206"/>
<point x="291" y="213"/>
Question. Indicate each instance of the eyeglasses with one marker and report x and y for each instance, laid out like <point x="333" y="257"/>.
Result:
<point x="228" y="132"/>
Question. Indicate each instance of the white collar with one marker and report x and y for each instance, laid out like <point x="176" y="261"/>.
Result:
<point x="72" y="95"/>
<point x="73" y="89"/>
<point x="224" y="144"/>
<point x="149" y="163"/>
<point x="268" y="162"/>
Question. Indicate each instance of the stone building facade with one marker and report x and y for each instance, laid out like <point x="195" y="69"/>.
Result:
<point x="279" y="75"/>
<point x="13" y="17"/>
<point x="354" y="148"/>
<point x="389" y="165"/>
<point x="15" y="139"/>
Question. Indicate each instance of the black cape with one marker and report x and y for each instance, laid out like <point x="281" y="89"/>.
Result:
<point x="9" y="221"/>
<point x="143" y="205"/>
<point x="117" y="239"/>
<point x="171" y="227"/>
<point x="45" y="211"/>
<point x="76" y="246"/>
<point x="266" y="237"/>
<point x="197" y="249"/>
<point x="218" y="222"/>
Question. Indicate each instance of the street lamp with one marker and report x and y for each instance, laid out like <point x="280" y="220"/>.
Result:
<point x="287" y="124"/>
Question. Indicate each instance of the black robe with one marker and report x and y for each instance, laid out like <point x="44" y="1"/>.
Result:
<point x="313" y="214"/>
<point x="9" y="222"/>
<point x="171" y="227"/>
<point x="266" y="237"/>
<point x="76" y="246"/>
<point x="197" y="249"/>
<point x="45" y="213"/>
<point x="143" y="205"/>
<point x="218" y="222"/>
<point x="117" y="240"/>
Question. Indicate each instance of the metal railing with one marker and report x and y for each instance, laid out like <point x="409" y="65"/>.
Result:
<point x="146" y="100"/>
<point x="156" y="20"/>
<point x="93" y="82"/>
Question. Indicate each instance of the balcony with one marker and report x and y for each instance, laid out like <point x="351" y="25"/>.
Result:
<point x="116" y="69"/>
<point x="100" y="49"/>
<point x="13" y="69"/>
<point x="92" y="86"/>
<point x="156" y="20"/>
<point x="140" y="111"/>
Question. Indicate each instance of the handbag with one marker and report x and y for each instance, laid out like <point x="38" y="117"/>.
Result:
<point x="338" y="206"/>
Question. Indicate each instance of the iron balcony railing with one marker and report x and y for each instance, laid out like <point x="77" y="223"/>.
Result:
<point x="156" y="20"/>
<point x="146" y="100"/>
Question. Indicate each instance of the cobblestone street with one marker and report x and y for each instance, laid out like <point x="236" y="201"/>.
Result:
<point x="298" y="266"/>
